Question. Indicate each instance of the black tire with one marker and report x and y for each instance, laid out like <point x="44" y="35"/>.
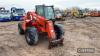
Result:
<point x="31" y="36"/>
<point x="59" y="31"/>
<point x="20" y="29"/>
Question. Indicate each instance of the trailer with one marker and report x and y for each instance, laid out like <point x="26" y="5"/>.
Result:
<point x="17" y="13"/>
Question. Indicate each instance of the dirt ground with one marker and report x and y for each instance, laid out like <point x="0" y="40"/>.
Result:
<point x="79" y="33"/>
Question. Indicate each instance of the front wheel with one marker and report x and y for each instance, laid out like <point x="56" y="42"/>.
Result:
<point x="31" y="36"/>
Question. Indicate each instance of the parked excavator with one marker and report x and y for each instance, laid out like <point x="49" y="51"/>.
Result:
<point x="41" y="21"/>
<point x="78" y="13"/>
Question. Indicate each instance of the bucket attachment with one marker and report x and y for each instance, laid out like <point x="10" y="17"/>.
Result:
<point x="55" y="43"/>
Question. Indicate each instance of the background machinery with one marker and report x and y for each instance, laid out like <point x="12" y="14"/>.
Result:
<point x="4" y="15"/>
<point x="86" y="12"/>
<point x="58" y="15"/>
<point x="41" y="21"/>
<point x="76" y="12"/>
<point x="17" y="13"/>
<point x="95" y="13"/>
<point x="2" y="8"/>
<point x="66" y="12"/>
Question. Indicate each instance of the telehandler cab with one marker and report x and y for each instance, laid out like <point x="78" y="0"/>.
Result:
<point x="42" y="20"/>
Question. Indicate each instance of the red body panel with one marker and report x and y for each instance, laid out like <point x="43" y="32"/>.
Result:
<point x="40" y="23"/>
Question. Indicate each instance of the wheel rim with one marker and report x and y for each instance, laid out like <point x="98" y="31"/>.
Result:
<point x="36" y="39"/>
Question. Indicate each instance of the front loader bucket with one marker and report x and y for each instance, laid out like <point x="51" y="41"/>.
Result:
<point x="55" y="43"/>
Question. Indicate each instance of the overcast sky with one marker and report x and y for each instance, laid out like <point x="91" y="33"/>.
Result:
<point x="29" y="4"/>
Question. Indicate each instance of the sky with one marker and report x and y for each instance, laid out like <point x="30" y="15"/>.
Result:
<point x="30" y="4"/>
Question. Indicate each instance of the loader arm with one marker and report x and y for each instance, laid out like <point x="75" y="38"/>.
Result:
<point x="45" y="25"/>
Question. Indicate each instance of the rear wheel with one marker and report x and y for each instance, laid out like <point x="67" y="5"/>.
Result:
<point x="31" y="36"/>
<point x="20" y="29"/>
<point x="59" y="36"/>
<point x="59" y="32"/>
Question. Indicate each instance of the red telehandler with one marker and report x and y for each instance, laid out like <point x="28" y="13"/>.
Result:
<point x="41" y="21"/>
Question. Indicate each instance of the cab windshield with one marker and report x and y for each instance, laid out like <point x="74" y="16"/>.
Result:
<point x="45" y="11"/>
<point x="20" y="11"/>
<point x="49" y="13"/>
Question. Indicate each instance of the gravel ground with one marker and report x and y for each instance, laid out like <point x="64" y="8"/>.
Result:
<point x="79" y="33"/>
